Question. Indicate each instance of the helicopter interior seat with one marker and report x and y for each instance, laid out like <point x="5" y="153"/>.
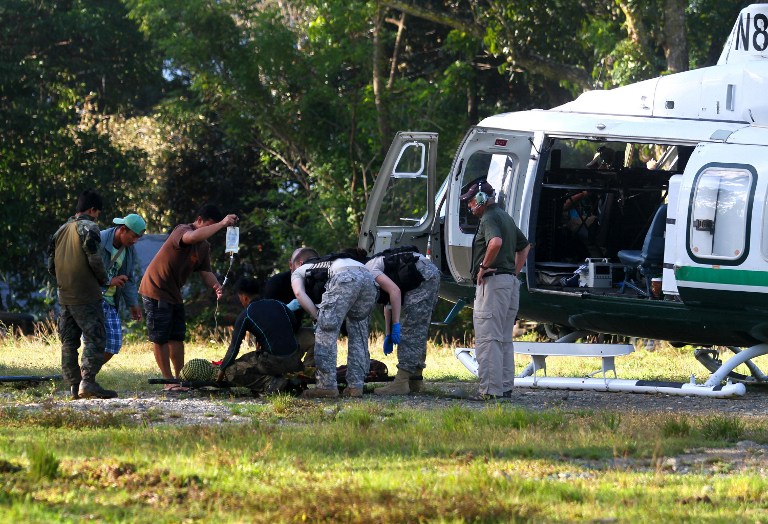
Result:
<point x="648" y="261"/>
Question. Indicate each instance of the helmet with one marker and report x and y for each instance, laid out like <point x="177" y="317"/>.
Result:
<point x="197" y="370"/>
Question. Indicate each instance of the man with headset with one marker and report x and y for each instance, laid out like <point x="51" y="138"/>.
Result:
<point x="499" y="251"/>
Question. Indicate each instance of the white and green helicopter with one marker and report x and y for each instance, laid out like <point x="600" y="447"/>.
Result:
<point x="670" y="241"/>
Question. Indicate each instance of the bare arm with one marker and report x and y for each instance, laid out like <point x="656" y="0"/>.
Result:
<point x="571" y="200"/>
<point x="395" y="298"/>
<point x="301" y="295"/>
<point x="212" y="282"/>
<point x="205" y="232"/>
<point x="492" y="251"/>
<point x="520" y="258"/>
<point x="387" y="320"/>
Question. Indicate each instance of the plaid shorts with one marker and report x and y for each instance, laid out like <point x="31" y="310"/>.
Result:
<point x="113" y="327"/>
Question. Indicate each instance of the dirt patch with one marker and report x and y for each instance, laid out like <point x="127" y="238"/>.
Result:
<point x="204" y="407"/>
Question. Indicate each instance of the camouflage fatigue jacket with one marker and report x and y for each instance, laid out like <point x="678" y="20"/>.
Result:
<point x="74" y="258"/>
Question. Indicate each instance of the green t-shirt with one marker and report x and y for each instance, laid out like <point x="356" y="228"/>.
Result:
<point x="117" y="261"/>
<point x="496" y="223"/>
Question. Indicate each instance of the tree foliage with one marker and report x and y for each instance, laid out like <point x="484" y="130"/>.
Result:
<point x="63" y="64"/>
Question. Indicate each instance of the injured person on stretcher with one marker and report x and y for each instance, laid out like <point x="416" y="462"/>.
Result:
<point x="272" y="325"/>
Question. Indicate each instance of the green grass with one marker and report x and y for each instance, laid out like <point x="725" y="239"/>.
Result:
<point x="367" y="460"/>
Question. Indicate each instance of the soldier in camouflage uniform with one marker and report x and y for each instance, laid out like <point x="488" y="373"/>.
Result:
<point x="74" y="258"/>
<point x="350" y="293"/>
<point x="407" y="313"/>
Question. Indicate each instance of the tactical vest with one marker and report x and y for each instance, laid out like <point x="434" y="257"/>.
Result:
<point x="400" y="268"/>
<point x="317" y="276"/>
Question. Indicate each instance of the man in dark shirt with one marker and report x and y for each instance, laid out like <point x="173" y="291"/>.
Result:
<point x="499" y="252"/>
<point x="278" y="287"/>
<point x="272" y="325"/>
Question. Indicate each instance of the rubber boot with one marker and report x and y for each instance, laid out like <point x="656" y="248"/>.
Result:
<point x="398" y="387"/>
<point x="415" y="382"/>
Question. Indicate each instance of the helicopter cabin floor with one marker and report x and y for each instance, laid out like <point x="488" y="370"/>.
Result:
<point x="598" y="277"/>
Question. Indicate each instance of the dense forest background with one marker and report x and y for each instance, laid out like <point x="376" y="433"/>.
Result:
<point x="281" y="110"/>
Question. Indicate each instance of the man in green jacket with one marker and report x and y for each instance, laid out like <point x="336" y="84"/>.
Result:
<point x="74" y="258"/>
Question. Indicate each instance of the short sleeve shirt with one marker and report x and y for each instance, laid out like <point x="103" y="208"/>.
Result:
<point x="376" y="265"/>
<point x="173" y="265"/>
<point x="340" y="264"/>
<point x="495" y="222"/>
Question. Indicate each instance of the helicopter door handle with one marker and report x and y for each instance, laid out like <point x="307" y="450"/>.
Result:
<point x="704" y="225"/>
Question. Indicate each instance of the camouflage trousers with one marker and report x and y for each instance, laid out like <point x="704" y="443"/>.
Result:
<point x="349" y="294"/>
<point x="305" y="336"/>
<point x="255" y="370"/>
<point x="415" y="315"/>
<point x="86" y="321"/>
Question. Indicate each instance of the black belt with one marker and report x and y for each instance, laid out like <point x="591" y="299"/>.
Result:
<point x="486" y="275"/>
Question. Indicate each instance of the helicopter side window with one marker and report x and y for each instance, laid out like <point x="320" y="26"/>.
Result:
<point x="719" y="213"/>
<point x="405" y="202"/>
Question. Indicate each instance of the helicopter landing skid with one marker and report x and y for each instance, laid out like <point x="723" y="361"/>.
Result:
<point x="709" y="389"/>
<point x="710" y="359"/>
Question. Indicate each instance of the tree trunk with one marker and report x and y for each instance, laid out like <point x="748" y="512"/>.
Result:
<point x="636" y="28"/>
<point x="393" y="66"/>
<point x="378" y="82"/>
<point x="675" y="36"/>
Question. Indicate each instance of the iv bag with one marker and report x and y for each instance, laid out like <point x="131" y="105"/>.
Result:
<point x="233" y="240"/>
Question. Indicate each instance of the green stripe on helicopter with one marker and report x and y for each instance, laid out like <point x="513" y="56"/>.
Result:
<point x="722" y="277"/>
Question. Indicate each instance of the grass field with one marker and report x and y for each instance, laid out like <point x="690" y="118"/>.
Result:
<point x="369" y="460"/>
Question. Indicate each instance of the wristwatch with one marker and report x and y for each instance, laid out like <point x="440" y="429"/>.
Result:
<point x="483" y="267"/>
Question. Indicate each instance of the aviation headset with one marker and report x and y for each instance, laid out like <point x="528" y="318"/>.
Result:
<point x="481" y="197"/>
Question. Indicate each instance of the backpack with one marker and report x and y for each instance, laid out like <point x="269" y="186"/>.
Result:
<point x="400" y="267"/>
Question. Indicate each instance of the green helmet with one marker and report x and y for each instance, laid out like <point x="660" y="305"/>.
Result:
<point x="197" y="370"/>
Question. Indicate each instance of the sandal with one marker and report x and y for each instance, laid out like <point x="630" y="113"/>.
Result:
<point x="175" y="388"/>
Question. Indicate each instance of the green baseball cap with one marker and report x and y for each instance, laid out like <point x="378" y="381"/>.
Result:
<point x="133" y="222"/>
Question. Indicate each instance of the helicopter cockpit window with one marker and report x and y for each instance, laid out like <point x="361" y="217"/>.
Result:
<point x="497" y="169"/>
<point x="719" y="211"/>
<point x="405" y="202"/>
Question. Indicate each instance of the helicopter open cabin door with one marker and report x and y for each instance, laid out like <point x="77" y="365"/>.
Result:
<point x="501" y="158"/>
<point x="401" y="207"/>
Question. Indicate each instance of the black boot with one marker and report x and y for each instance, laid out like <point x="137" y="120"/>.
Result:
<point x="91" y="389"/>
<point x="74" y="390"/>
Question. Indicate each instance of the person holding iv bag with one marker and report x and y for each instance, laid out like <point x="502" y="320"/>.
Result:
<point x="184" y="252"/>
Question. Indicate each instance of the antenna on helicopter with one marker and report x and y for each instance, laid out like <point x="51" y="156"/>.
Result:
<point x="600" y="74"/>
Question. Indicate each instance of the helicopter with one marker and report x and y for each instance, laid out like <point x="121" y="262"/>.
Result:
<point x="671" y="239"/>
